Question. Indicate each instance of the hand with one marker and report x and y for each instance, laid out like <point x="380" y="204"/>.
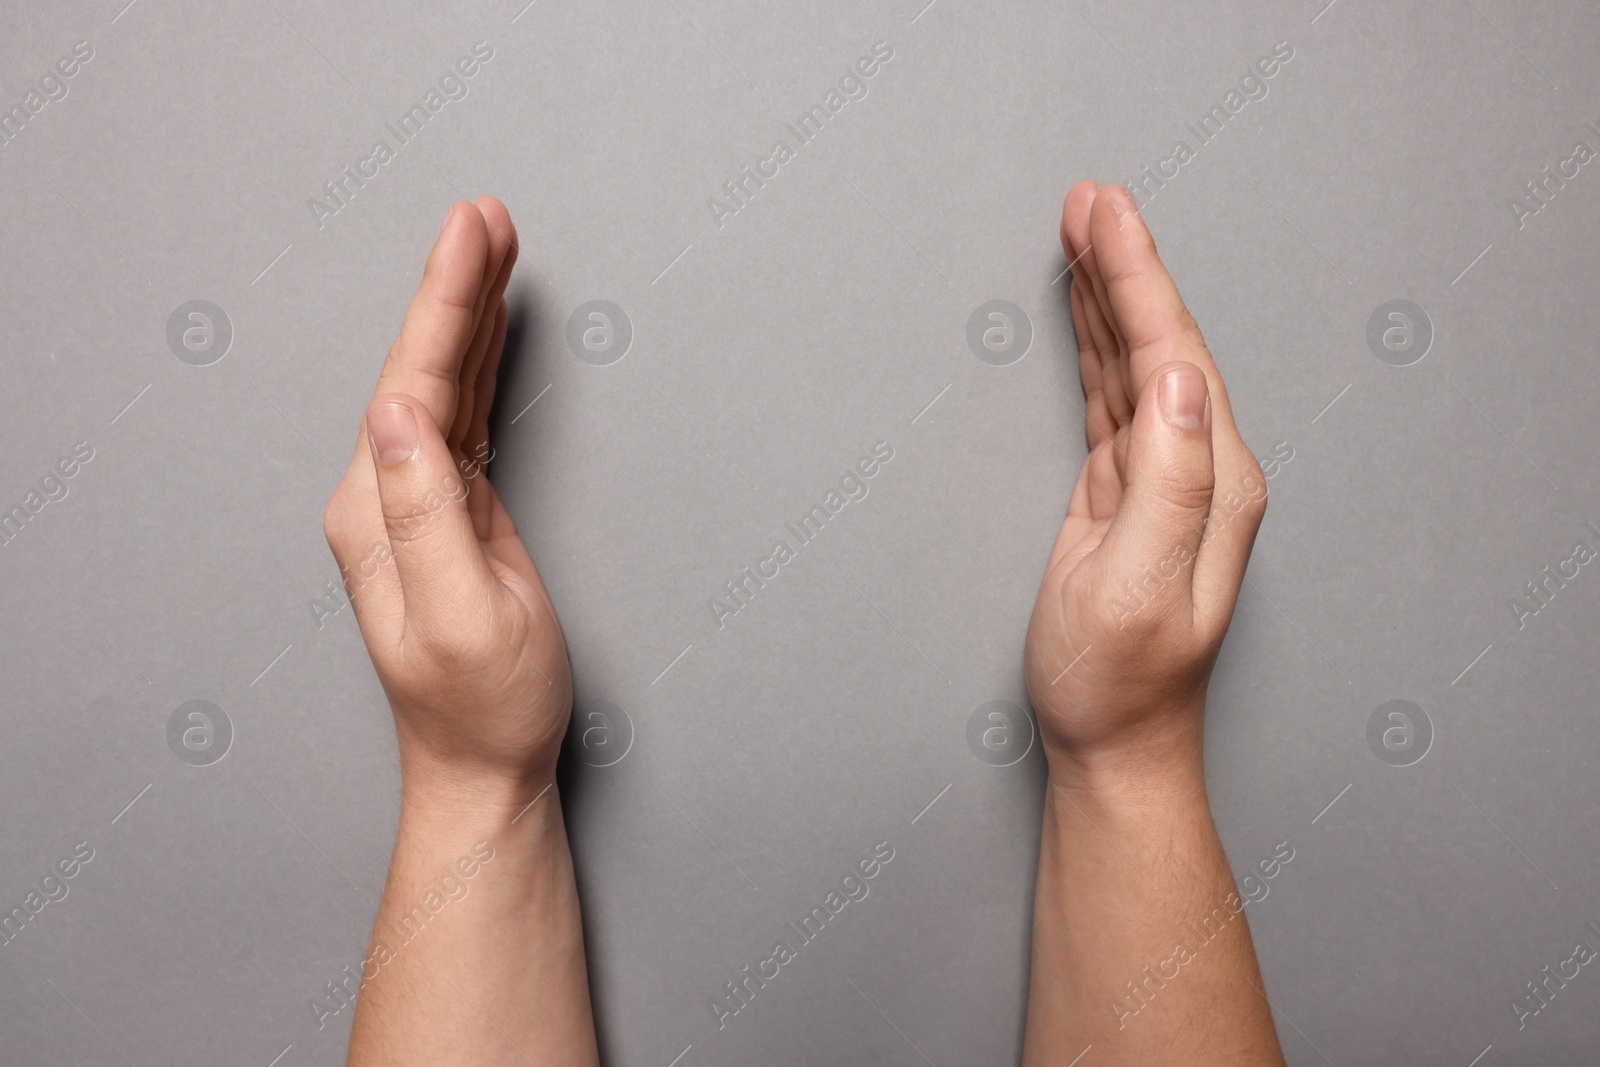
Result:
<point x="1142" y="580"/>
<point x="455" y="618"/>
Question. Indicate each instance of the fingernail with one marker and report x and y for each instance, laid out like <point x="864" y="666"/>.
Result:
<point x="1184" y="397"/>
<point x="393" y="430"/>
<point x="448" y="215"/>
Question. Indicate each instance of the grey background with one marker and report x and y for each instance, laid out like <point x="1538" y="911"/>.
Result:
<point x="768" y="355"/>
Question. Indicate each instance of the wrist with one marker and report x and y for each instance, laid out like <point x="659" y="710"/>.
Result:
<point x="1158" y="759"/>
<point x="472" y="790"/>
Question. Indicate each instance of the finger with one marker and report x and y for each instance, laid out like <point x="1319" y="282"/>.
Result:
<point x="1149" y="313"/>
<point x="1155" y="537"/>
<point x="423" y="498"/>
<point x="1098" y="423"/>
<point x="353" y="525"/>
<point x="502" y="258"/>
<point x="1077" y="230"/>
<point x="476" y="443"/>
<point x="425" y="361"/>
<point x="1113" y="376"/>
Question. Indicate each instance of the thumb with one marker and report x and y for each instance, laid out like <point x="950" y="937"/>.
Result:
<point x="1157" y="531"/>
<point x="424" y="500"/>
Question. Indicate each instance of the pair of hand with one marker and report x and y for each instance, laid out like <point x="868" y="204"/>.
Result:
<point x="1136" y="597"/>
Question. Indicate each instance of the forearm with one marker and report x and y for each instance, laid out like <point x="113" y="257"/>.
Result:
<point x="1140" y="944"/>
<point x="477" y="952"/>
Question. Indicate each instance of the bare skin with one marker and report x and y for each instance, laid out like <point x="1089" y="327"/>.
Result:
<point x="1141" y="951"/>
<point x="477" y="952"/>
